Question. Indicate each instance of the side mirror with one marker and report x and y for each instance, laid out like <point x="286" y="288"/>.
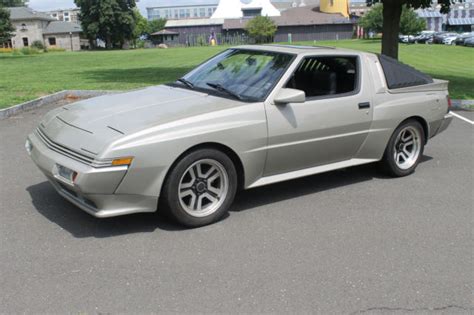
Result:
<point x="285" y="96"/>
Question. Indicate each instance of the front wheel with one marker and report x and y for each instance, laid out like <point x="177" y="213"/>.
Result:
<point x="404" y="149"/>
<point x="200" y="188"/>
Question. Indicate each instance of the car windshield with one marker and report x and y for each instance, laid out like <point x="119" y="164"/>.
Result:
<point x="247" y="75"/>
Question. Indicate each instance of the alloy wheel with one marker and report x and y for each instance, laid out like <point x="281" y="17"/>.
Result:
<point x="407" y="147"/>
<point x="203" y="187"/>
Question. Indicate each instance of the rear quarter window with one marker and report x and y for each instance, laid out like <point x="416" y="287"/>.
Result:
<point x="399" y="75"/>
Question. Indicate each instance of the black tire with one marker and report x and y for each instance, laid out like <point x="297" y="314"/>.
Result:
<point x="389" y="163"/>
<point x="170" y="198"/>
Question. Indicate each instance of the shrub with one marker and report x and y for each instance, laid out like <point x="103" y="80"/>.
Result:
<point x="29" y="51"/>
<point x="37" y="44"/>
<point x="140" y="44"/>
<point x="201" y="40"/>
<point x="261" y="29"/>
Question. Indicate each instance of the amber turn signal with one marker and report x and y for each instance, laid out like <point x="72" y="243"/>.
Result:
<point x="122" y="161"/>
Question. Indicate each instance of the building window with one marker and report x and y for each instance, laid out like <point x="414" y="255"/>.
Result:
<point x="66" y="13"/>
<point x="182" y="13"/>
<point x="209" y="11"/>
<point x="195" y="11"/>
<point x="188" y="13"/>
<point x="52" y="41"/>
<point x="202" y="12"/>
<point x="25" y="41"/>
<point x="251" y="12"/>
<point x="7" y="44"/>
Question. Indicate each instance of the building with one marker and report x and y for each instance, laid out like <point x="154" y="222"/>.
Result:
<point x="31" y="26"/>
<point x="300" y="23"/>
<point x="190" y="9"/>
<point x="66" y="15"/>
<point x="236" y="9"/>
<point x="460" y="18"/>
<point x="358" y="7"/>
<point x="199" y="9"/>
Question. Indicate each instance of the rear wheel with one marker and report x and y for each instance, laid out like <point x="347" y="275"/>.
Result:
<point x="200" y="188"/>
<point x="404" y="149"/>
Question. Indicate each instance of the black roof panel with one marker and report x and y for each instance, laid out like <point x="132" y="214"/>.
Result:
<point x="399" y="75"/>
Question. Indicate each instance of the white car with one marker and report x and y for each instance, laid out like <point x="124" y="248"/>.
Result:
<point x="450" y="40"/>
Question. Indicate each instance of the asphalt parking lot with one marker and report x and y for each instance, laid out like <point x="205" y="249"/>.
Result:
<point x="350" y="241"/>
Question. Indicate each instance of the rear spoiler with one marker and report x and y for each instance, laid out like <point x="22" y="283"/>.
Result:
<point x="437" y="85"/>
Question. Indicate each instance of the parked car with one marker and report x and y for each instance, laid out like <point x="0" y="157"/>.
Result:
<point x="248" y="117"/>
<point x="424" y="37"/>
<point x="461" y="38"/>
<point x="438" y="38"/>
<point x="469" y="42"/>
<point x="450" y="40"/>
<point x="406" y="39"/>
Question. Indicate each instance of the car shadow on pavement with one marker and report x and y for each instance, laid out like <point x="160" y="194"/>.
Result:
<point x="248" y="199"/>
<point x="80" y="224"/>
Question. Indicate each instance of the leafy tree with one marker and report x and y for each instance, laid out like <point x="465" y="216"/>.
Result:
<point x="373" y="20"/>
<point x="156" y="25"/>
<point x="261" y="28"/>
<point x="13" y="3"/>
<point x="410" y="23"/>
<point x="392" y="12"/>
<point x="112" y="21"/>
<point x="141" y="25"/>
<point x="6" y="27"/>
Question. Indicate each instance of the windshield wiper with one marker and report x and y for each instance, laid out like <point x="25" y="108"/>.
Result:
<point x="220" y="88"/>
<point x="186" y="82"/>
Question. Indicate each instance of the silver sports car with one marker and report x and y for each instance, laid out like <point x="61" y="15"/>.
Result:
<point x="250" y="116"/>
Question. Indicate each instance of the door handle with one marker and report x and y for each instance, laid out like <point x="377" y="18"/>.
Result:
<point x="364" y="105"/>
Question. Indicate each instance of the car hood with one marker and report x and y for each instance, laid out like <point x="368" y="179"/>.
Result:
<point x="92" y="124"/>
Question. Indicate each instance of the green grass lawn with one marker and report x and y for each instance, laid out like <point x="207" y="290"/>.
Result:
<point x="23" y="78"/>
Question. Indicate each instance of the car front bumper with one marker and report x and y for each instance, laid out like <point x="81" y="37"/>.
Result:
<point x="93" y="189"/>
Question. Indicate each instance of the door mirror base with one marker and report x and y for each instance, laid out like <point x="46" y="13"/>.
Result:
<point x="285" y="96"/>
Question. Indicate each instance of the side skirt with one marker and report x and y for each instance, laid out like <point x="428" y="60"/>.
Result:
<point x="309" y="171"/>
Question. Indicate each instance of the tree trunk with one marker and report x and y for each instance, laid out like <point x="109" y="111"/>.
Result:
<point x="108" y="42"/>
<point x="392" y="11"/>
<point x="91" y="44"/>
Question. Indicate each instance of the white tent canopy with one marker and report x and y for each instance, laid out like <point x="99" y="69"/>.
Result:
<point x="232" y="9"/>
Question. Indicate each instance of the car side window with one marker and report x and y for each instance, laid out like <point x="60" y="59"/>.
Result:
<point x="325" y="76"/>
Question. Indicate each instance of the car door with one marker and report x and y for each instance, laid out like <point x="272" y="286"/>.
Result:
<point x="333" y="122"/>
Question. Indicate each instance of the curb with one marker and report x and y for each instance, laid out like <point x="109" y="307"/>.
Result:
<point x="467" y="105"/>
<point x="48" y="99"/>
